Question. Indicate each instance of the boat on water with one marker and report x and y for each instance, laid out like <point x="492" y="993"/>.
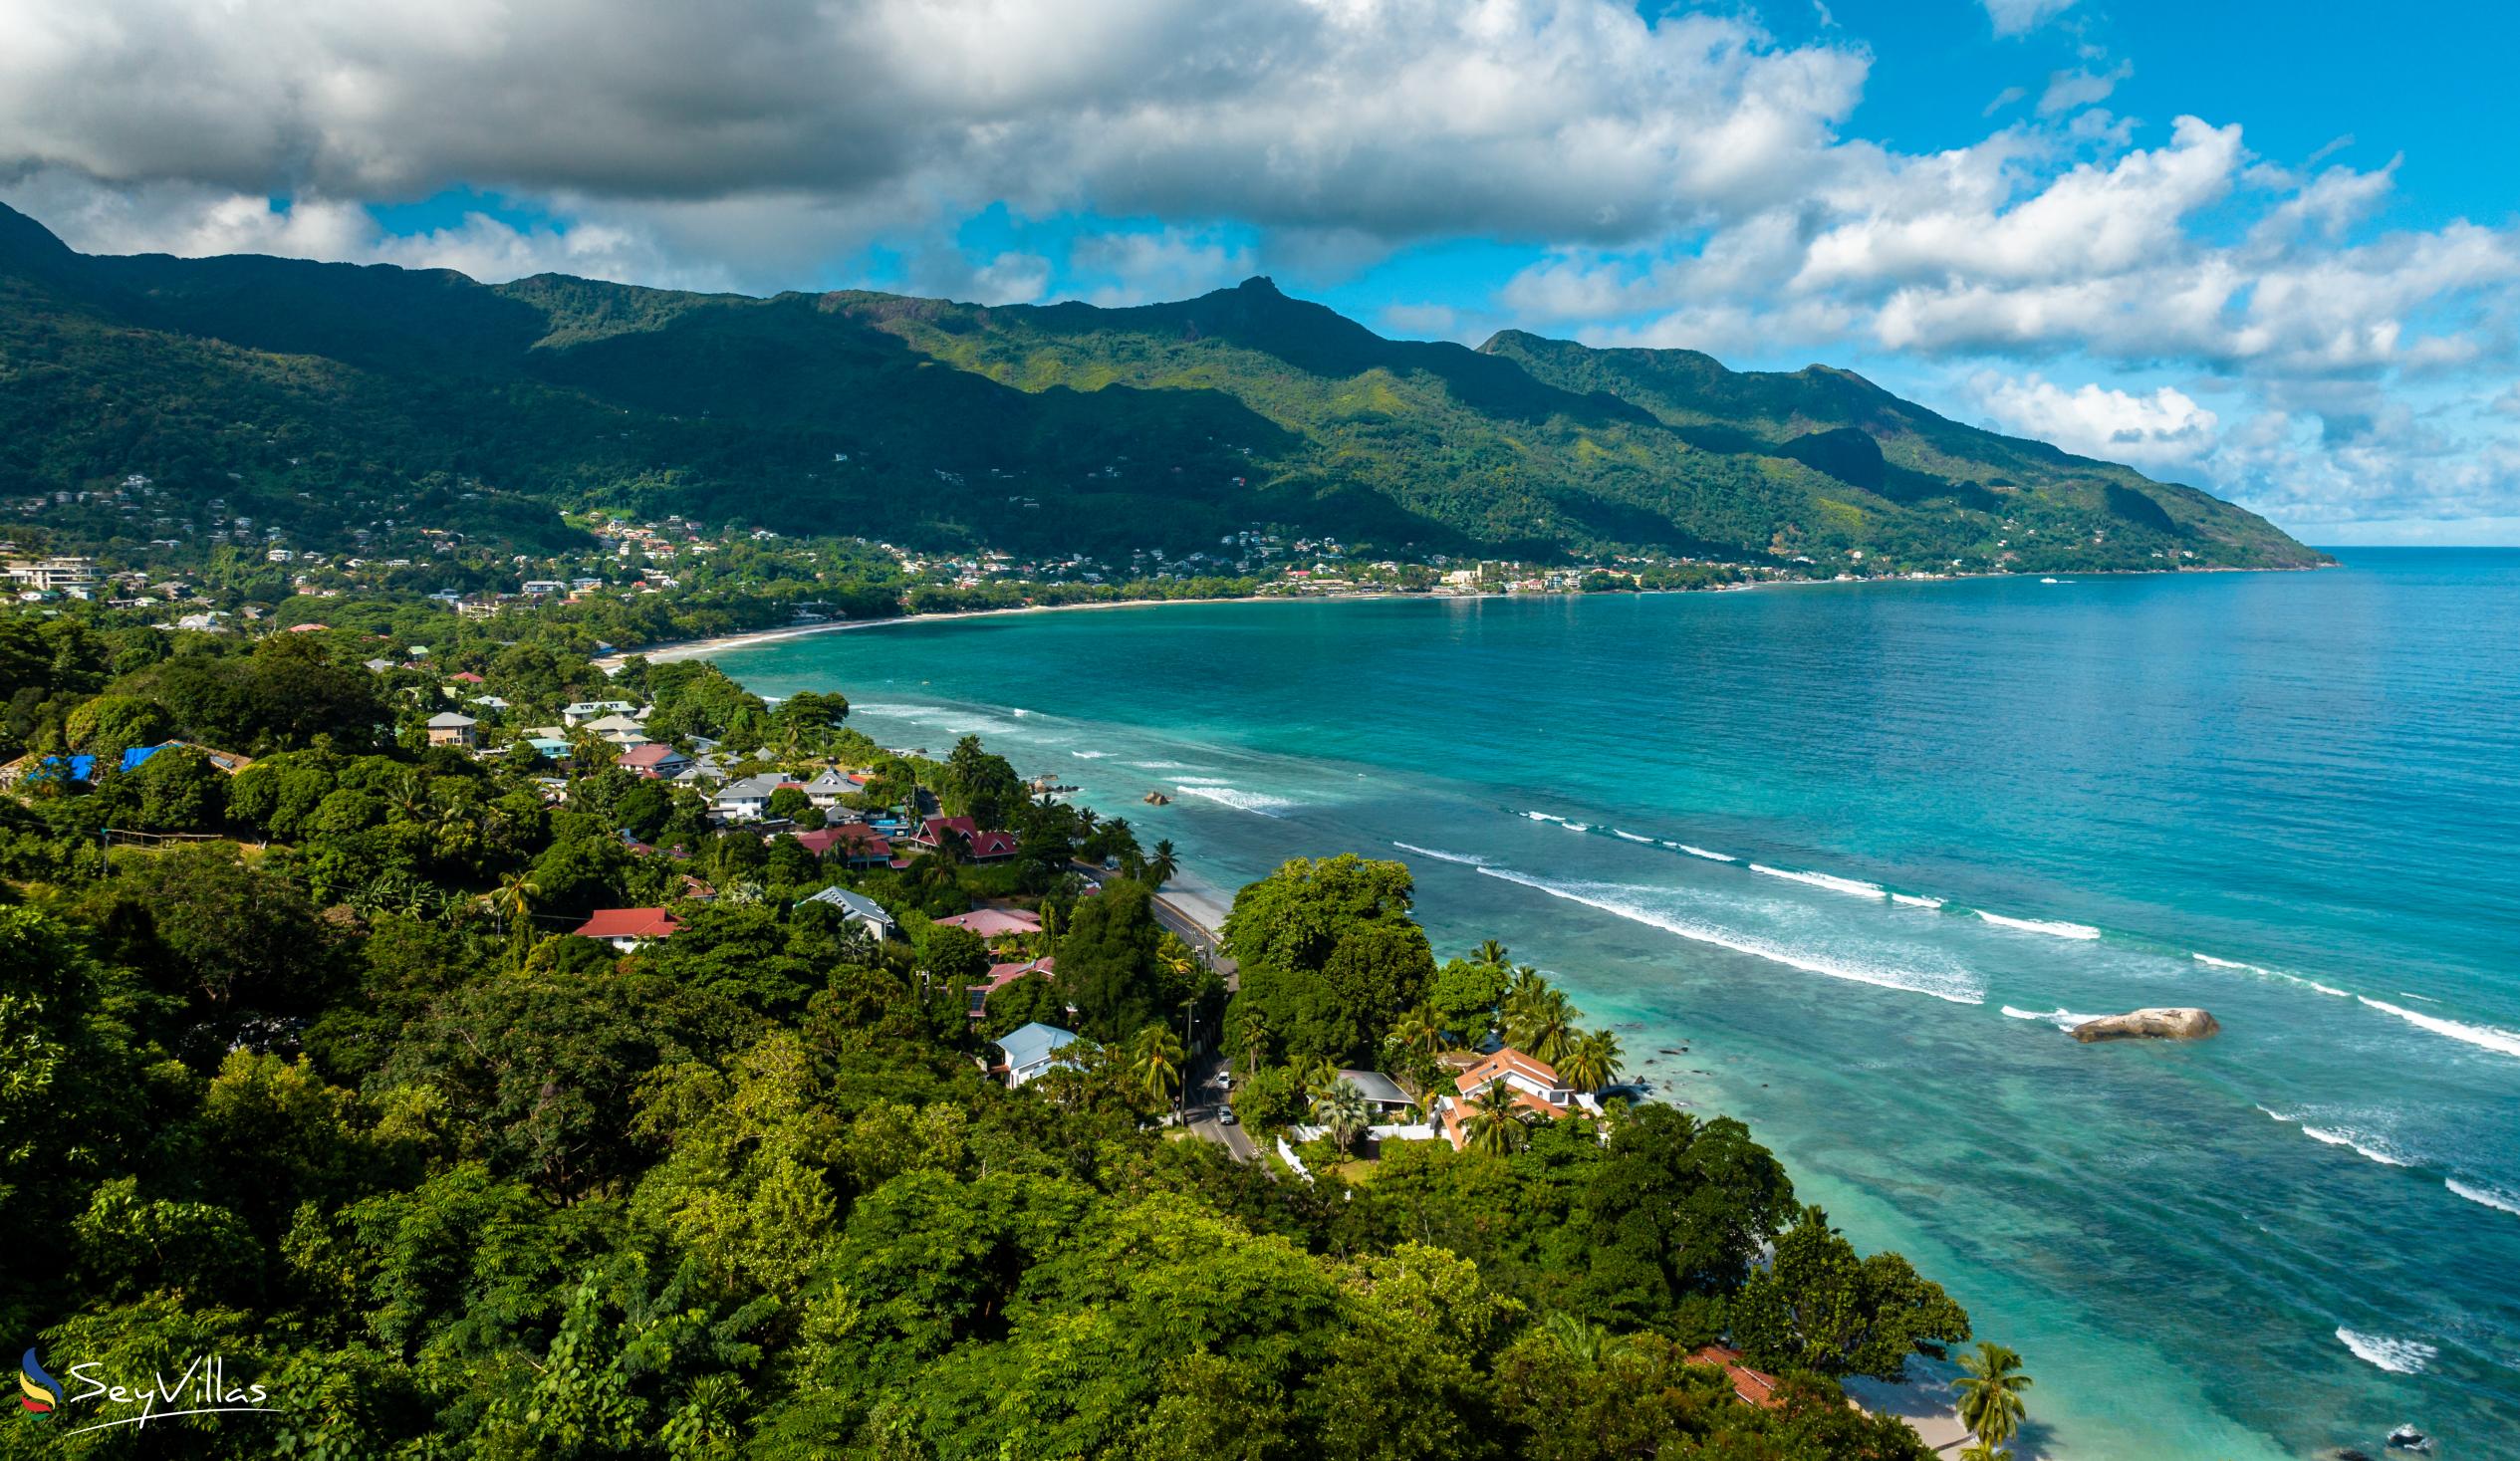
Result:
<point x="2408" y="1438"/>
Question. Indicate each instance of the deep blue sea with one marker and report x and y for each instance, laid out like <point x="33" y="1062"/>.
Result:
<point x="1862" y="849"/>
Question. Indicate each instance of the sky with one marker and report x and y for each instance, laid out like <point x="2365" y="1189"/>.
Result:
<point x="2267" y="250"/>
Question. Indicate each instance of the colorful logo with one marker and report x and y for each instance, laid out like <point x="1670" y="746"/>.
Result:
<point x="38" y="1393"/>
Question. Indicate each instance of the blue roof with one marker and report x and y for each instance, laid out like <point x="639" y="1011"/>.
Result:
<point x="1034" y="1044"/>
<point x="82" y="767"/>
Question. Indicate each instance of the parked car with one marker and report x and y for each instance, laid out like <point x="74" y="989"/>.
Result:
<point x="1226" y="1117"/>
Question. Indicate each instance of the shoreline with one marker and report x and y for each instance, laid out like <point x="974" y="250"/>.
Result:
<point x="679" y="649"/>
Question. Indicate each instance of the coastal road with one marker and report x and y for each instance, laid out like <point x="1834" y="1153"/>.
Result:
<point x="1199" y="938"/>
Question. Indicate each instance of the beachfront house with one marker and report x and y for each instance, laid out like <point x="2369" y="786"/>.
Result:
<point x="860" y="909"/>
<point x="627" y="929"/>
<point x="984" y="847"/>
<point x="747" y="800"/>
<point x="1032" y="1050"/>
<point x="1534" y="1085"/>
<point x="451" y="729"/>
<point x="655" y="759"/>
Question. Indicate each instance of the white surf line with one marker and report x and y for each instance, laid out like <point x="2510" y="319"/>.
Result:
<point x="1738" y="943"/>
<point x="1830" y="880"/>
<point x="2052" y="928"/>
<point x="1467" y="860"/>
<point x="2483" y="1037"/>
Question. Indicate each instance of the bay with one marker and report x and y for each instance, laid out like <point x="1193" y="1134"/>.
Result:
<point x="1861" y="850"/>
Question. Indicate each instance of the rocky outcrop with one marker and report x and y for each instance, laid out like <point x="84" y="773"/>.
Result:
<point x="2148" y="1025"/>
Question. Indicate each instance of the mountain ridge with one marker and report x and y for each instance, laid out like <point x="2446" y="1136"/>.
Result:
<point x="334" y="393"/>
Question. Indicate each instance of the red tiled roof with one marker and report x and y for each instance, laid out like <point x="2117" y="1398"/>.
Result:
<point x="995" y="922"/>
<point x="932" y="830"/>
<point x="654" y="753"/>
<point x="860" y="839"/>
<point x="628" y="923"/>
<point x="1504" y="1061"/>
<point x="1753" y="1386"/>
<point x="468" y="677"/>
<point x="987" y="845"/>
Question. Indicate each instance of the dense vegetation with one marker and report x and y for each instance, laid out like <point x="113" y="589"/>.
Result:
<point x="324" y="397"/>
<point x="333" y="1094"/>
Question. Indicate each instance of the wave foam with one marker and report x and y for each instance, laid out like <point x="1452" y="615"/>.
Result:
<point x="1702" y="853"/>
<point x="2053" y="929"/>
<point x="1831" y="881"/>
<point x="1939" y="987"/>
<point x="1162" y="765"/>
<point x="2397" y="1356"/>
<point x="1089" y="755"/>
<point x="1234" y="797"/>
<point x="2211" y="962"/>
<point x="2358" y="1142"/>
<point x="2061" y="1019"/>
<point x="2483" y="1037"/>
<point x="1630" y="837"/>
<point x="1914" y="900"/>
<point x="2494" y="1197"/>
<point x="1465" y="858"/>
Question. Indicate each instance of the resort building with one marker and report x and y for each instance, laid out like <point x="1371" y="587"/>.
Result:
<point x="627" y="929"/>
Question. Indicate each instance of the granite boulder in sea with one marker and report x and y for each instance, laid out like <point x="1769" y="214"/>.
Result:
<point x="2148" y="1025"/>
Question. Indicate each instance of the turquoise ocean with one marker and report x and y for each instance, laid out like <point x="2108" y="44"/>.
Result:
<point x="1844" y="860"/>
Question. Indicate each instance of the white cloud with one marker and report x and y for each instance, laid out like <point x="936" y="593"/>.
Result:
<point x="1166" y="263"/>
<point x="2161" y="429"/>
<point x="2018" y="17"/>
<point x="1387" y="119"/>
<point x="2069" y="89"/>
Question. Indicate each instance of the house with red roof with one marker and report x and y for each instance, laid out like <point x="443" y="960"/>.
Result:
<point x="627" y="928"/>
<point x="1002" y="975"/>
<point x="986" y="846"/>
<point x="995" y="923"/>
<point x="1534" y="1085"/>
<point x="1753" y="1386"/>
<point x="655" y="759"/>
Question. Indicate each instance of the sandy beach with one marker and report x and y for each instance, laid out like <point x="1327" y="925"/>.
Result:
<point x="695" y="649"/>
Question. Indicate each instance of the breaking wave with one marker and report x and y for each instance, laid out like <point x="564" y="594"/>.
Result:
<point x="1914" y="900"/>
<point x="1089" y="755"/>
<point x="2483" y="1037"/>
<point x="2494" y="1197"/>
<point x="2061" y="1019"/>
<point x="2362" y="1143"/>
<point x="2211" y="962"/>
<point x="1630" y="837"/>
<point x="1854" y="885"/>
<point x="1592" y="895"/>
<point x="2053" y="929"/>
<point x="1464" y="858"/>
<point x="2397" y="1356"/>
<point x="1702" y="853"/>
<point x="1236" y="797"/>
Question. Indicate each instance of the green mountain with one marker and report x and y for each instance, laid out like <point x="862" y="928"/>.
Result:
<point x="325" y="399"/>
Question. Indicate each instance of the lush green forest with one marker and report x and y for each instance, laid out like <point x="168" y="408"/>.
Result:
<point x="328" y="399"/>
<point x="327" y="1087"/>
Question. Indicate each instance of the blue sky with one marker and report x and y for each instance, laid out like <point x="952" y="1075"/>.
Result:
<point x="2262" y="248"/>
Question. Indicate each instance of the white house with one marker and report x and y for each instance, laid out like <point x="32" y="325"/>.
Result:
<point x="860" y="909"/>
<point x="747" y="800"/>
<point x="586" y="710"/>
<point x="1032" y="1050"/>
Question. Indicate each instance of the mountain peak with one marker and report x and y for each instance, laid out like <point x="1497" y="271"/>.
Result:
<point x="26" y="244"/>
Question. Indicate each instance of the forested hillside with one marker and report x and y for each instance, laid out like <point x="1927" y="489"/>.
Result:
<point x="331" y="397"/>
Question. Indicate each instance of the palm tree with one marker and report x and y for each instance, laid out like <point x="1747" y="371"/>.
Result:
<point x="1491" y="953"/>
<point x="1494" y="1127"/>
<point x="1539" y="1020"/>
<point x="1981" y="1451"/>
<point x="1161" y="867"/>
<point x="1419" y="1029"/>
<point x="1990" y="1387"/>
<point x="1320" y="1078"/>
<point x="1156" y="1061"/>
<point x="1592" y="1061"/>
<point x="1585" y="1343"/>
<point x="1341" y="1109"/>
<point x="1250" y="1035"/>
<point x="515" y="901"/>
